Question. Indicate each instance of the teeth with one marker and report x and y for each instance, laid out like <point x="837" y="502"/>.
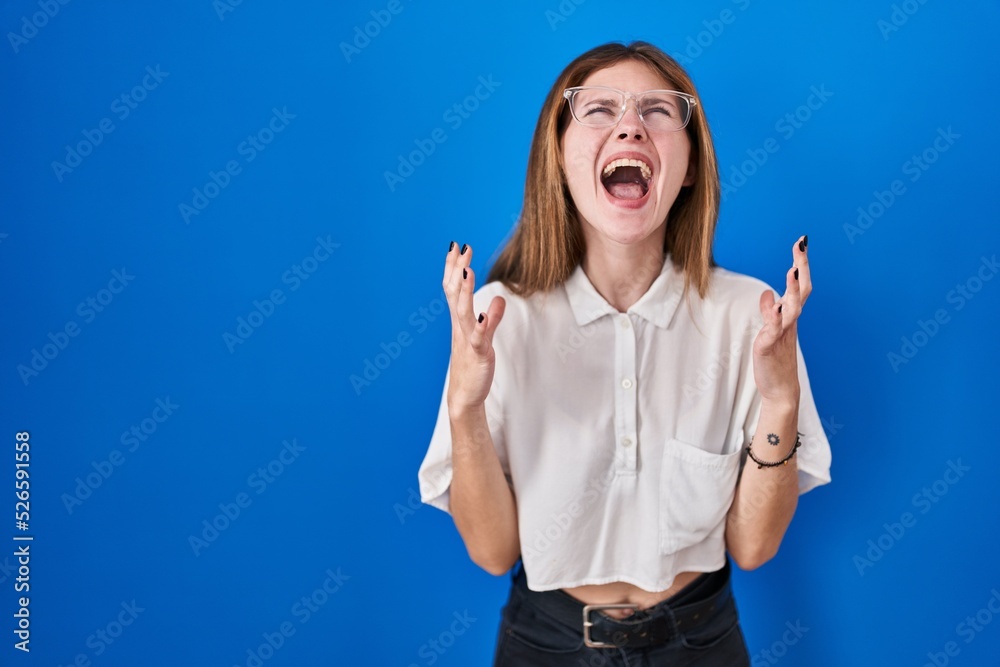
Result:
<point x="644" y="168"/>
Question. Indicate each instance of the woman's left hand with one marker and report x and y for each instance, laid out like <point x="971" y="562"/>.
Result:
<point x="775" y="365"/>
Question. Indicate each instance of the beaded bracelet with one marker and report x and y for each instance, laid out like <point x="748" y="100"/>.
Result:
<point x="784" y="461"/>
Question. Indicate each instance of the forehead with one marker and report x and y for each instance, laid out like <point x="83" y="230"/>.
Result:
<point x="630" y="75"/>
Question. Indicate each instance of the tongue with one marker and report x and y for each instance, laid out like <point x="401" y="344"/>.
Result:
<point x="625" y="190"/>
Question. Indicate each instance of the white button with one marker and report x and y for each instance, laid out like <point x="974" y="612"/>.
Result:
<point x="626" y="441"/>
<point x="627" y="383"/>
<point x="625" y="323"/>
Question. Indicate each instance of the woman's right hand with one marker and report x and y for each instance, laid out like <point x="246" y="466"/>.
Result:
<point x="472" y="359"/>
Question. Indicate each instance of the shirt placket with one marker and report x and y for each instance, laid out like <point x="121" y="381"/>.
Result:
<point x="626" y="438"/>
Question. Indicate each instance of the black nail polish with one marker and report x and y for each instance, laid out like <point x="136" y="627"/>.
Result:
<point x="796" y="274"/>
<point x="465" y="273"/>
<point x="451" y="247"/>
<point x="481" y="316"/>
<point x="779" y="309"/>
<point x="465" y="246"/>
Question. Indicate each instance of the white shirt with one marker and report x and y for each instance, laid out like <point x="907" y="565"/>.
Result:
<point x="623" y="434"/>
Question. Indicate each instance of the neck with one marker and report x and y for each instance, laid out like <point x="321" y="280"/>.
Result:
<point x="622" y="273"/>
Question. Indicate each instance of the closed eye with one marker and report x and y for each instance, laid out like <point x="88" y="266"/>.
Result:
<point x="662" y="107"/>
<point x="601" y="107"/>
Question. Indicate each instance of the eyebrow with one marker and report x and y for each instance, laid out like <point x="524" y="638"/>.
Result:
<point x="665" y="98"/>
<point x="604" y="100"/>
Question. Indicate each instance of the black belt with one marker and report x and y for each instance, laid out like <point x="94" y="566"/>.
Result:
<point x="692" y="605"/>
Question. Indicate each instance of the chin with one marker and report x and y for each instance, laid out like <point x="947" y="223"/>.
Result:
<point x="625" y="230"/>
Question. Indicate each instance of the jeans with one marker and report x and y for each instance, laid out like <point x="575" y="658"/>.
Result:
<point x="546" y="629"/>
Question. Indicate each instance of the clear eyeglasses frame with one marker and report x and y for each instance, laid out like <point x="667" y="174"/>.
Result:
<point x="603" y="106"/>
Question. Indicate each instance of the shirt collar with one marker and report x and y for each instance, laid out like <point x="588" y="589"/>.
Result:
<point x="657" y="305"/>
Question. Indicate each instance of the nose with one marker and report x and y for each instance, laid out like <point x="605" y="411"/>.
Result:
<point x="630" y="124"/>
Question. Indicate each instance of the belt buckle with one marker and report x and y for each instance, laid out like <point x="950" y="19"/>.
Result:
<point x="587" y="623"/>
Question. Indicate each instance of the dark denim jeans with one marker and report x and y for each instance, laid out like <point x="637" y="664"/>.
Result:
<point x="529" y="635"/>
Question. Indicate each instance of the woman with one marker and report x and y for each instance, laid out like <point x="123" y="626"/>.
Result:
<point x="601" y="434"/>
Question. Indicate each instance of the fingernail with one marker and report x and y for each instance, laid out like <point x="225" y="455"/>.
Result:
<point x="451" y="247"/>
<point x="803" y="243"/>
<point x="796" y="274"/>
<point x="779" y="308"/>
<point x="481" y="316"/>
<point x="465" y="246"/>
<point x="465" y="273"/>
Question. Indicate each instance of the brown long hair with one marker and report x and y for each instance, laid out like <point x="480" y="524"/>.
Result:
<point x="548" y="243"/>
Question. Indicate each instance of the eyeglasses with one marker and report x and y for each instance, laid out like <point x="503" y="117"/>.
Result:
<point x="601" y="106"/>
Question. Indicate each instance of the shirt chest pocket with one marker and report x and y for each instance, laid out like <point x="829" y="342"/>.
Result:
<point x="697" y="489"/>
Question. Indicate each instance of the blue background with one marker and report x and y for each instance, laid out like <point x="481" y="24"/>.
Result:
<point x="345" y="503"/>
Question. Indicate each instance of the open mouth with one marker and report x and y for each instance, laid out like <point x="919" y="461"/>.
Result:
<point x="627" y="178"/>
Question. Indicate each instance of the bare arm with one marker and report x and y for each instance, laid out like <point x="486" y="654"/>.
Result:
<point x="482" y="504"/>
<point x="766" y="497"/>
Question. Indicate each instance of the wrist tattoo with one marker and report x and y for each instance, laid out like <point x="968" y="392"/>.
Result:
<point x="773" y="439"/>
<point x="774" y="464"/>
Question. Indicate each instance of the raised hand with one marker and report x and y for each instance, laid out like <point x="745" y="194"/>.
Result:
<point x="472" y="358"/>
<point x="774" y="353"/>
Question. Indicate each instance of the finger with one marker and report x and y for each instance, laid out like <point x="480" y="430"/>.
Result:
<point x="800" y="258"/>
<point x="458" y="257"/>
<point x="464" y="258"/>
<point x="791" y="301"/>
<point x="486" y="325"/>
<point x="771" y="312"/>
<point x="452" y="286"/>
<point x="465" y="309"/>
<point x="449" y="263"/>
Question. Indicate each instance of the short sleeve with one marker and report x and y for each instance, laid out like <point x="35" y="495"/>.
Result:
<point x="813" y="457"/>
<point x="435" y="471"/>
